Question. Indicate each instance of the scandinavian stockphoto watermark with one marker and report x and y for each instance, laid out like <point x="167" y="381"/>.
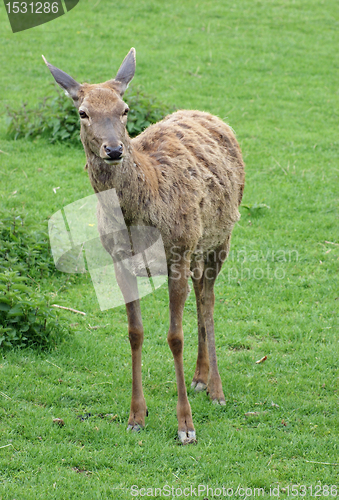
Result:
<point x="135" y="263"/>
<point x="242" y="264"/>
<point x="28" y="14"/>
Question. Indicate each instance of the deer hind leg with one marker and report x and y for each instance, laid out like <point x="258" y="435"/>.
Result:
<point x="128" y="285"/>
<point x="200" y="378"/>
<point x="178" y="287"/>
<point x="213" y="265"/>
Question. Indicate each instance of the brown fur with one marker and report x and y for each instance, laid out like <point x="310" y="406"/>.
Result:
<point x="185" y="177"/>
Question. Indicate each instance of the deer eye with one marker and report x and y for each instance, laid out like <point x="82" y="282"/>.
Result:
<point x="126" y="112"/>
<point x="82" y="114"/>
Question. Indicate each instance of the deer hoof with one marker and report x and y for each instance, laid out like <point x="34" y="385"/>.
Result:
<point x="220" y="402"/>
<point x="198" y="386"/>
<point x="201" y="386"/>
<point x="187" y="437"/>
<point x="134" y="428"/>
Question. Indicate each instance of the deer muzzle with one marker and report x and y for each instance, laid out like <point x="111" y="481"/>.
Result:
<point x="113" y="154"/>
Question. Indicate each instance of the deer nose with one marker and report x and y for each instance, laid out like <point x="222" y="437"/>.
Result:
<point x="114" y="153"/>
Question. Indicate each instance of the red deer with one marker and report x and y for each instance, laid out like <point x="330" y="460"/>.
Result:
<point x="183" y="176"/>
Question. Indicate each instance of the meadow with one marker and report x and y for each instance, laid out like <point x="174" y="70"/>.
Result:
<point x="270" y="69"/>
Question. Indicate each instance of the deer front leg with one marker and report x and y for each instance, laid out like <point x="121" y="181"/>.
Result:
<point x="178" y="287"/>
<point x="136" y="335"/>
<point x="129" y="288"/>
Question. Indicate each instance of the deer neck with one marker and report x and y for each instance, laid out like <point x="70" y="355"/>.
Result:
<point x="128" y="178"/>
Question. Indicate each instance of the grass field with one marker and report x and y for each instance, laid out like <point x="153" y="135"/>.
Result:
<point x="270" y="69"/>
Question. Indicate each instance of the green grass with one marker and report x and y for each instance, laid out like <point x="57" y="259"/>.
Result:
<point x="270" y="69"/>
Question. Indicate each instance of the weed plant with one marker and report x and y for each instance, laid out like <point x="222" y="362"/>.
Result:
<point x="26" y="318"/>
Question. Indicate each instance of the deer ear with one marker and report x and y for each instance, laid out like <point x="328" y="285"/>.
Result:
<point x="126" y="71"/>
<point x="65" y="81"/>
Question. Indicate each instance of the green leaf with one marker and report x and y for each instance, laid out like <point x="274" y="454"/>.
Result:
<point x="17" y="309"/>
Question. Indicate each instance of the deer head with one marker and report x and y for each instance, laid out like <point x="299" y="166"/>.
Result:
<point x="103" y="113"/>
